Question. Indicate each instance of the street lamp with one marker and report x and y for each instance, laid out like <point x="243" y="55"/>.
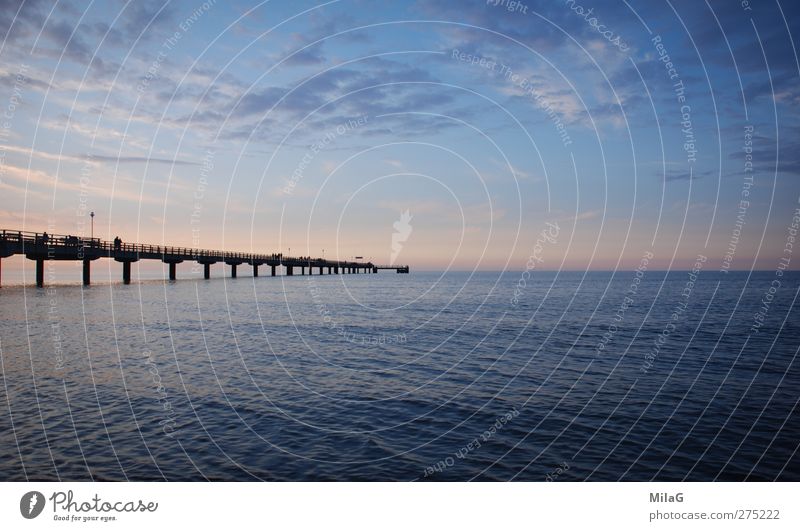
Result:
<point x="91" y="214"/>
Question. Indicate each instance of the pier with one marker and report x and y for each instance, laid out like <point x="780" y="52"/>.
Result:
<point x="40" y="247"/>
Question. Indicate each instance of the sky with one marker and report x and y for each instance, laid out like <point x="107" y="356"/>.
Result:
<point x="445" y="135"/>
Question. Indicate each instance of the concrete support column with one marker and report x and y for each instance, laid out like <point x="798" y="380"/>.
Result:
<point x="273" y="271"/>
<point x="39" y="272"/>
<point x="320" y="270"/>
<point x="206" y="271"/>
<point x="374" y="269"/>
<point x="335" y="270"/>
<point x="255" y="270"/>
<point x="289" y="271"/>
<point x="86" y="271"/>
<point x="172" y="274"/>
<point x="126" y="272"/>
<point x="233" y="270"/>
<point x="302" y="270"/>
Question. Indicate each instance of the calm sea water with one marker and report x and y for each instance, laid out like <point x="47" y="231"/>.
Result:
<point x="404" y="377"/>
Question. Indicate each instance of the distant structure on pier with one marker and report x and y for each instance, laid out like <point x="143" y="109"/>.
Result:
<point x="40" y="247"/>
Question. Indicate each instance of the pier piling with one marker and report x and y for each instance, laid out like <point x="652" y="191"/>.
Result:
<point x="40" y="272"/>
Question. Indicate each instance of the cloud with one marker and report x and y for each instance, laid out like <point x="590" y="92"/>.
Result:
<point x="143" y="160"/>
<point x="34" y="154"/>
<point x="9" y="79"/>
<point x="19" y="18"/>
<point x="766" y="154"/>
<point x="41" y="184"/>
<point x="309" y="56"/>
<point x="589" y="214"/>
<point x="684" y="175"/>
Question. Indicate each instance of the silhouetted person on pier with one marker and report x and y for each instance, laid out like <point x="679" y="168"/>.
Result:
<point x="117" y="243"/>
<point x="44" y="238"/>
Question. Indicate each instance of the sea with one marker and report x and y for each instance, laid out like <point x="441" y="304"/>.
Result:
<point x="427" y="376"/>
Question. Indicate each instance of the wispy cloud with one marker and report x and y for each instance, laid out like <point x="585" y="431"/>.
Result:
<point x="143" y="160"/>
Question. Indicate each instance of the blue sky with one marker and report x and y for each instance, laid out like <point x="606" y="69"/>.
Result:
<point x="314" y="126"/>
